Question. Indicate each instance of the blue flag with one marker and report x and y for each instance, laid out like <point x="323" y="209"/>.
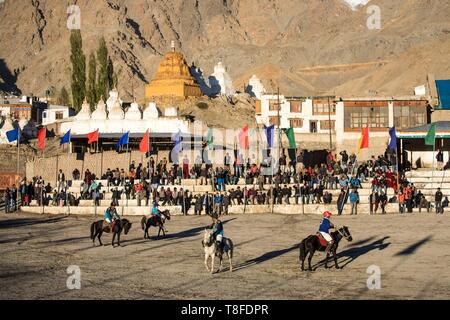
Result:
<point x="123" y="140"/>
<point x="393" y="142"/>
<point x="177" y="139"/>
<point x="66" y="138"/>
<point x="13" y="135"/>
<point x="270" y="134"/>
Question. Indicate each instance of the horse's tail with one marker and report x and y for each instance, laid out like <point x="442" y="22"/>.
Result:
<point x="143" y="221"/>
<point x="92" y="230"/>
<point x="302" y="247"/>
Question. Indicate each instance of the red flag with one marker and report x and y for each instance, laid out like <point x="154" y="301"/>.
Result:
<point x="144" y="146"/>
<point x="243" y="138"/>
<point x="42" y="134"/>
<point x="93" y="137"/>
<point x="364" y="140"/>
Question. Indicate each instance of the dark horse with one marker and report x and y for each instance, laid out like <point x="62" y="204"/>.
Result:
<point x="312" y="243"/>
<point x="98" y="227"/>
<point x="152" y="221"/>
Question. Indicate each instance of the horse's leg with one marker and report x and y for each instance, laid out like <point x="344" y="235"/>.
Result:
<point x="230" y="260"/>
<point x="159" y="231"/>
<point x="220" y="264"/>
<point x="113" y="238"/>
<point x="99" y="237"/>
<point x="335" y="258"/>
<point x="118" y="238"/>
<point x="146" y="232"/>
<point x="212" y="262"/>
<point x="311" y="254"/>
<point x="93" y="238"/>
<point x="206" y="261"/>
<point x="326" y="260"/>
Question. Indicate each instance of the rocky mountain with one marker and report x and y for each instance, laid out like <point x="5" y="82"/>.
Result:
<point x="306" y="47"/>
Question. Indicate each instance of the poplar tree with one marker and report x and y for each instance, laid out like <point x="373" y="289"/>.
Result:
<point x="102" y="58"/>
<point x="78" y="60"/>
<point x="92" y="81"/>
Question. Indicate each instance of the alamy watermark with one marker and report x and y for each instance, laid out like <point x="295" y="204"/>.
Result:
<point x="74" y="18"/>
<point x="374" y="280"/>
<point x="374" y="19"/>
<point x="74" y="279"/>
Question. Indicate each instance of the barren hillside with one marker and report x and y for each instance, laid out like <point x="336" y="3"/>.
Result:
<point x="307" y="47"/>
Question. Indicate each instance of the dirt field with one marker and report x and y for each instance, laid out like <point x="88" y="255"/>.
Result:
<point x="412" y="252"/>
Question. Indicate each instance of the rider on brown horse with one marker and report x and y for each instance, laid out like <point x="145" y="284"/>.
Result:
<point x="111" y="216"/>
<point x="155" y="214"/>
<point x="324" y="229"/>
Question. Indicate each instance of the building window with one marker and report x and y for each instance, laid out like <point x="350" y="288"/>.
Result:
<point x="408" y="116"/>
<point x="313" y="126"/>
<point x="274" y="105"/>
<point x="325" y="124"/>
<point x="321" y="107"/>
<point x="358" y="117"/>
<point x="274" y="121"/>
<point x="296" y="106"/>
<point x="296" y="123"/>
<point x="59" y="115"/>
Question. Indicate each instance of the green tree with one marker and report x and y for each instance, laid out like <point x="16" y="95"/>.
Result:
<point x="102" y="59"/>
<point x="78" y="60"/>
<point x="112" y="77"/>
<point x="63" y="97"/>
<point x="92" y="81"/>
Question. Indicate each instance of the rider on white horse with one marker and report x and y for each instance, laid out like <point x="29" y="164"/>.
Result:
<point x="218" y="232"/>
<point x="324" y="229"/>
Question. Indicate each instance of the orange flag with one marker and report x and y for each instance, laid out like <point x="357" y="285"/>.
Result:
<point x="144" y="146"/>
<point x="93" y="137"/>
<point x="42" y="134"/>
<point x="364" y="140"/>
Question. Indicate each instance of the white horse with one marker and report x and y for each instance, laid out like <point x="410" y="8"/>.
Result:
<point x="209" y="246"/>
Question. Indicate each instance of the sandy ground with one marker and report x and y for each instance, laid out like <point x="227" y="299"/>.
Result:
<point x="411" y="251"/>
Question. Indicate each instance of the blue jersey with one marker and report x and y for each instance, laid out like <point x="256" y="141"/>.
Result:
<point x="155" y="211"/>
<point x="325" y="225"/>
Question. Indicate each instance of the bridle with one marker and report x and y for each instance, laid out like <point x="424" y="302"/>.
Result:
<point x="343" y="234"/>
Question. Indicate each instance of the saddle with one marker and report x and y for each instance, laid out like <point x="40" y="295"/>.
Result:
<point x="108" y="227"/>
<point x="322" y="240"/>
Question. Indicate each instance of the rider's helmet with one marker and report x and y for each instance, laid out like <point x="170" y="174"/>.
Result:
<point x="155" y="203"/>
<point x="112" y="205"/>
<point x="327" y="214"/>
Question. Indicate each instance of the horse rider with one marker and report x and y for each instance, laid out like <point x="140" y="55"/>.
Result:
<point x="111" y="216"/>
<point x="324" y="229"/>
<point x="156" y="214"/>
<point x="218" y="232"/>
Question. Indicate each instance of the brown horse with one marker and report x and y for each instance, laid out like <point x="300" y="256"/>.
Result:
<point x="312" y="244"/>
<point x="98" y="227"/>
<point x="155" y="222"/>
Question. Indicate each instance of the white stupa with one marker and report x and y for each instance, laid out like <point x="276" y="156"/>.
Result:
<point x="7" y="126"/>
<point x="151" y="112"/>
<point x="221" y="82"/>
<point x="134" y="112"/>
<point x="171" y="112"/>
<point x="113" y="98"/>
<point x="255" y="88"/>
<point x="116" y="112"/>
<point x="85" y="112"/>
<point x="100" y="112"/>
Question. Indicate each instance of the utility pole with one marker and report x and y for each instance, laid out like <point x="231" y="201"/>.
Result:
<point x="329" y="124"/>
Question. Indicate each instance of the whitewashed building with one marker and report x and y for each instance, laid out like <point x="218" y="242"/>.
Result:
<point x="55" y="113"/>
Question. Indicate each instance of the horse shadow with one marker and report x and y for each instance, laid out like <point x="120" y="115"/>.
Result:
<point x="266" y="257"/>
<point x="413" y="248"/>
<point x="185" y="233"/>
<point x="28" y="222"/>
<point x="348" y="256"/>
